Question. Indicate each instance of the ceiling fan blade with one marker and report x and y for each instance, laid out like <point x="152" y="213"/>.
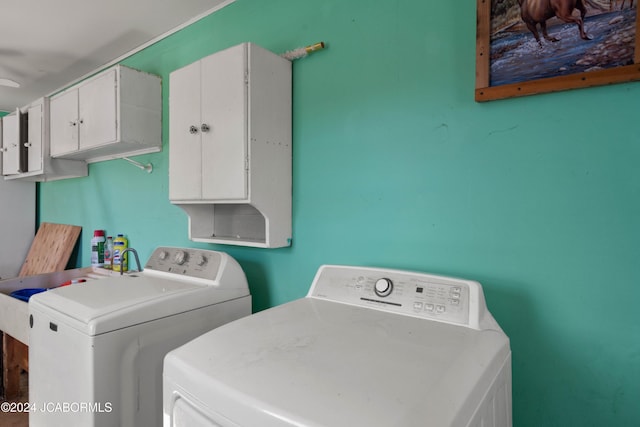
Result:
<point x="9" y="82"/>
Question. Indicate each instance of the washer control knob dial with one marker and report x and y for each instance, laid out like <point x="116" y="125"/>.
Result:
<point x="201" y="260"/>
<point x="163" y="255"/>
<point x="180" y="257"/>
<point x="383" y="287"/>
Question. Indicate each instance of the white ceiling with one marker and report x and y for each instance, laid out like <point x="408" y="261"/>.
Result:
<point x="47" y="44"/>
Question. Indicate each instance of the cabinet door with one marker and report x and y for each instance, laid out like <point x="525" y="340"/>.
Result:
<point x="63" y="111"/>
<point x="97" y="111"/>
<point x="34" y="143"/>
<point x="185" y="154"/>
<point x="224" y="111"/>
<point x="10" y="150"/>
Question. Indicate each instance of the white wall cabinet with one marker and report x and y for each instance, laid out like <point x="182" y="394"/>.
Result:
<point x="230" y="147"/>
<point x="28" y="147"/>
<point x="114" y="114"/>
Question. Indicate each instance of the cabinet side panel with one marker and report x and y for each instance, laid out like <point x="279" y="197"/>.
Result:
<point x="140" y="115"/>
<point x="270" y="141"/>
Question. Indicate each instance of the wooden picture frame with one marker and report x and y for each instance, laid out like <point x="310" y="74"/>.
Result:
<point x="486" y="91"/>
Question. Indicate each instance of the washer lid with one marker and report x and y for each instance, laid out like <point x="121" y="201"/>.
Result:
<point x="113" y="303"/>
<point x="316" y="362"/>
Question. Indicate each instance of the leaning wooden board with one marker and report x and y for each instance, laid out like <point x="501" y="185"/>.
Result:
<point x="51" y="249"/>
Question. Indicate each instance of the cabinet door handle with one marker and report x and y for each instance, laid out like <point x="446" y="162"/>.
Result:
<point x="193" y="130"/>
<point x="72" y="123"/>
<point x="27" y="144"/>
<point x="4" y="150"/>
<point x="205" y="127"/>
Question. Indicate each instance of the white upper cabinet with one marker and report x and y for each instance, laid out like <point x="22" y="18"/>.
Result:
<point x="114" y="114"/>
<point x="230" y="146"/>
<point x="208" y="111"/>
<point x="27" y="155"/>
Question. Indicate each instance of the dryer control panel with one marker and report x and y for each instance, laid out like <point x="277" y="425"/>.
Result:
<point x="439" y="298"/>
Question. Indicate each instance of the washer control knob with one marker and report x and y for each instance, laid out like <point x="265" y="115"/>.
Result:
<point x="163" y="255"/>
<point x="201" y="260"/>
<point x="383" y="287"/>
<point x="180" y="257"/>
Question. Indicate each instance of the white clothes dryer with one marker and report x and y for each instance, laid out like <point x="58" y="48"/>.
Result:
<point x="366" y="347"/>
<point x="96" y="348"/>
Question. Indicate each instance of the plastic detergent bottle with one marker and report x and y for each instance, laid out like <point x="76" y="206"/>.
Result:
<point x="120" y="243"/>
<point x="97" y="248"/>
<point x="108" y="252"/>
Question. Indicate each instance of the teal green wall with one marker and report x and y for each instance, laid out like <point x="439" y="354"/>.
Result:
<point x="395" y="165"/>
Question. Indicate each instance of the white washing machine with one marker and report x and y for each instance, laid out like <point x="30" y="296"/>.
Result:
<point x="96" y="348"/>
<point x="366" y="347"/>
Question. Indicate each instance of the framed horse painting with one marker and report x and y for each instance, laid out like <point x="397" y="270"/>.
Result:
<point x="525" y="47"/>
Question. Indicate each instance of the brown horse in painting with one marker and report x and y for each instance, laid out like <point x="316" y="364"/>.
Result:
<point x="534" y="12"/>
